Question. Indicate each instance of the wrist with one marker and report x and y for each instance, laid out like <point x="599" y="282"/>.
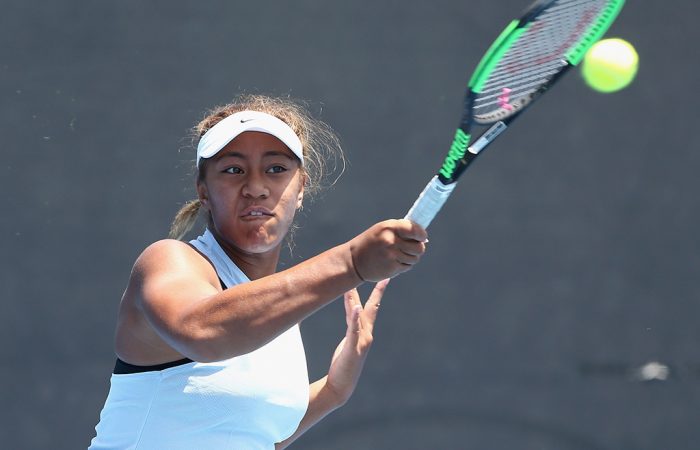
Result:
<point x="348" y="252"/>
<point x="352" y="251"/>
<point x="332" y="397"/>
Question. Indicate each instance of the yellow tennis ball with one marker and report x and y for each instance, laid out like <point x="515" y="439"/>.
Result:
<point x="610" y="65"/>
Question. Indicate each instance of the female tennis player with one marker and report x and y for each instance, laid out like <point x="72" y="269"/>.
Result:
<point x="209" y="354"/>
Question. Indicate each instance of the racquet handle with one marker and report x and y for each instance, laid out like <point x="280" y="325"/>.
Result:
<point x="429" y="202"/>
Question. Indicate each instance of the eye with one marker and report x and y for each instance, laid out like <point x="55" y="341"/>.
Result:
<point x="234" y="169"/>
<point x="276" y="169"/>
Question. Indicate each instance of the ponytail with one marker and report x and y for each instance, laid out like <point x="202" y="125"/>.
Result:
<point x="185" y="219"/>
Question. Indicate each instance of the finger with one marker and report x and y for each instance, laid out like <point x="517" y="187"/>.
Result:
<point x="407" y="260"/>
<point x="400" y="268"/>
<point x="410" y="230"/>
<point x="373" y="302"/>
<point x="412" y="248"/>
<point x="354" y="326"/>
<point x="351" y="299"/>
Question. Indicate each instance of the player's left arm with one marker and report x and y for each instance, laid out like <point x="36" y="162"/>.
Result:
<point x="335" y="389"/>
<point x="321" y="403"/>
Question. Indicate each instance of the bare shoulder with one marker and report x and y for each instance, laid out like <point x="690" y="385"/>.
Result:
<point x="168" y="269"/>
<point x="167" y="275"/>
<point x="172" y="257"/>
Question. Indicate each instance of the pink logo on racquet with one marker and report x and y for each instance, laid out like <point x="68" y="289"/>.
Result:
<point x="504" y="99"/>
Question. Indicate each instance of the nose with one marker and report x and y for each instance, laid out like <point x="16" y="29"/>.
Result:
<point x="255" y="187"/>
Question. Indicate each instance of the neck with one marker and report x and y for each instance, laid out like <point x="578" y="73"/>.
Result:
<point x="253" y="265"/>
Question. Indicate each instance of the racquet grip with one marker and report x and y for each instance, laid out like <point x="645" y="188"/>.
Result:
<point x="429" y="202"/>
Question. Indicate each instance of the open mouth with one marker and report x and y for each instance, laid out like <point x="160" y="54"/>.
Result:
<point x="256" y="212"/>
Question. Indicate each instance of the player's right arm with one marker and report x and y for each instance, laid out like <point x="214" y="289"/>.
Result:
<point x="173" y="306"/>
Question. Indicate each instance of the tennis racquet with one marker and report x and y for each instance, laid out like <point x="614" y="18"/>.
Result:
<point x="527" y="58"/>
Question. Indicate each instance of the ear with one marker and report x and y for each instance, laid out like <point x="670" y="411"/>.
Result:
<point x="300" y="196"/>
<point x="203" y="193"/>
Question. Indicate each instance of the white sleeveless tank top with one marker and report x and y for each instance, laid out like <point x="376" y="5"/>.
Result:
<point x="249" y="402"/>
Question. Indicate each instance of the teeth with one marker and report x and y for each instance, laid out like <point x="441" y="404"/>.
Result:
<point x="256" y="213"/>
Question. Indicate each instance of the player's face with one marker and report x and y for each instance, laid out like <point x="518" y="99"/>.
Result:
<point x="252" y="188"/>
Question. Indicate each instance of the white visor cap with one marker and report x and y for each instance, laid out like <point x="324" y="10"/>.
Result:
<point x="218" y="136"/>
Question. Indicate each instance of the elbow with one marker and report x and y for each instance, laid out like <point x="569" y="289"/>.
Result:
<point x="202" y="345"/>
<point x="205" y="351"/>
<point x="207" y="344"/>
<point x="196" y="340"/>
<point x="203" y="354"/>
<point x="208" y="351"/>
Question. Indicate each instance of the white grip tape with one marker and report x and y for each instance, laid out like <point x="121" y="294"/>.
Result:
<point x="429" y="202"/>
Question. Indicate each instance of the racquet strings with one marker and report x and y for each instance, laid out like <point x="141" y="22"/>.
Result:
<point x="535" y="57"/>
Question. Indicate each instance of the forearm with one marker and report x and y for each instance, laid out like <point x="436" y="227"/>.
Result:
<point x="322" y="401"/>
<point x="247" y="316"/>
<point x="333" y="390"/>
